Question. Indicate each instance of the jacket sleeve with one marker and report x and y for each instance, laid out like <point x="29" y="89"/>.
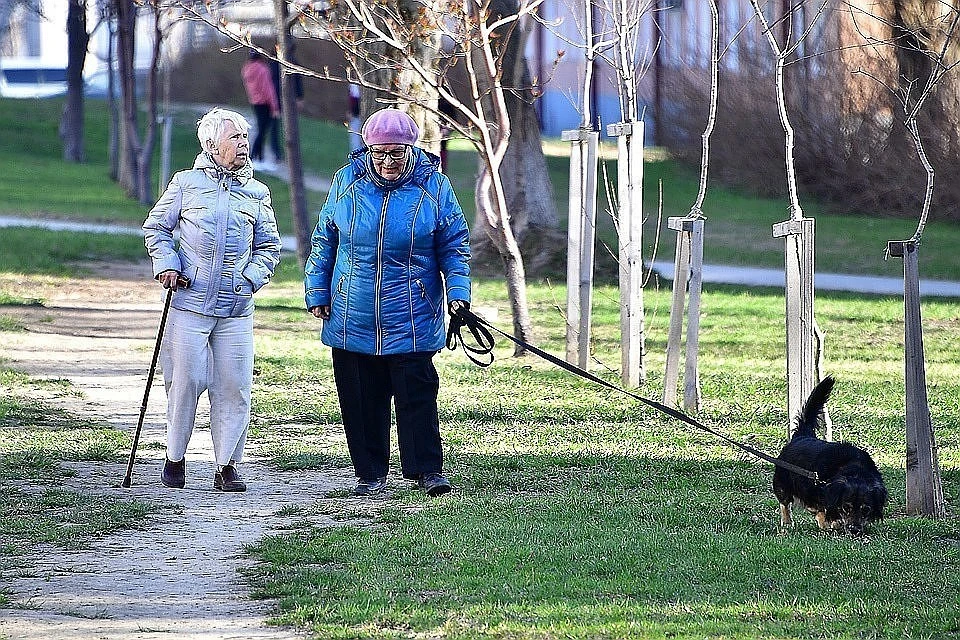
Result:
<point x="266" y="246"/>
<point x="452" y="243"/>
<point x="159" y="226"/>
<point x="323" y="250"/>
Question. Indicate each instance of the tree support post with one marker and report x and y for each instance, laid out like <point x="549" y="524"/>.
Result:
<point x="802" y="340"/>
<point x="687" y="268"/>
<point x="924" y="488"/>
<point x="630" y="255"/>
<point x="582" y="217"/>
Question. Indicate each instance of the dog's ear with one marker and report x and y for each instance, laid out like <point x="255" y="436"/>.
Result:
<point x="834" y="493"/>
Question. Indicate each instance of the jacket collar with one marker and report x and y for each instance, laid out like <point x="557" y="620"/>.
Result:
<point x="205" y="163"/>
<point x="420" y="167"/>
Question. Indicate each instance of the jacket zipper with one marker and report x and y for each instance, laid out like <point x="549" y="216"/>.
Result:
<point x="220" y="235"/>
<point x="424" y="296"/>
<point x="379" y="276"/>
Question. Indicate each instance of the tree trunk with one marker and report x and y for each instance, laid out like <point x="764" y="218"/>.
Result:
<point x="127" y="174"/>
<point x="71" y="122"/>
<point x="490" y="200"/>
<point x="291" y="138"/>
<point x="526" y="180"/>
<point x="145" y="156"/>
<point x="113" y="128"/>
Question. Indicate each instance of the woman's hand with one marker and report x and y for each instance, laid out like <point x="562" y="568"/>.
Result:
<point x="322" y="311"/>
<point x="171" y="279"/>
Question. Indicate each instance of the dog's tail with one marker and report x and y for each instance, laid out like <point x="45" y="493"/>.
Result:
<point x="807" y="420"/>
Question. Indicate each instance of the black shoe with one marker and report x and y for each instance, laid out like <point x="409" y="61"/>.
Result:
<point x="434" y="484"/>
<point x="227" y="479"/>
<point x="370" y="487"/>
<point x="174" y="474"/>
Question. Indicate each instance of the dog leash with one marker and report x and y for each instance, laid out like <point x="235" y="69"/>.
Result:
<point x="484" y="343"/>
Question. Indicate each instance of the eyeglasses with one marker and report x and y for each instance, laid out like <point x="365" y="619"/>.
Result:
<point x="395" y="154"/>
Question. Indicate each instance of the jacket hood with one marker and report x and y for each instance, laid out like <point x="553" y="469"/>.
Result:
<point x="205" y="163"/>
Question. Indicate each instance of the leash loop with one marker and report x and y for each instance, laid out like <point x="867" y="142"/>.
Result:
<point x="484" y="339"/>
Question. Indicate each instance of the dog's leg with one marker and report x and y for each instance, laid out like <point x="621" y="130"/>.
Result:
<point x="786" y="517"/>
<point x="822" y="520"/>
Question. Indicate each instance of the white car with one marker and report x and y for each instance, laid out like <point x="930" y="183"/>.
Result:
<point x="31" y="78"/>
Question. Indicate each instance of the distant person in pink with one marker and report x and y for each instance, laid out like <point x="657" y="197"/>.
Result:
<point x="262" y="96"/>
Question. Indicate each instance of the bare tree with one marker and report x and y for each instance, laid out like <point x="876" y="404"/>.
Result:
<point x="526" y="179"/>
<point x="924" y="35"/>
<point x="783" y="51"/>
<point x="129" y="147"/>
<point x="804" y="345"/>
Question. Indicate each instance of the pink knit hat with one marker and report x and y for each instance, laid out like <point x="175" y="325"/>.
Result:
<point x="390" y="126"/>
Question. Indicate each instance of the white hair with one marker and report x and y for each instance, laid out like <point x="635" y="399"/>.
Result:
<point x="210" y="126"/>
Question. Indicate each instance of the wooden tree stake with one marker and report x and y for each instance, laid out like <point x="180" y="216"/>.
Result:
<point x="582" y="219"/>
<point x="687" y="269"/>
<point x="924" y="488"/>
<point x="630" y="255"/>
<point x="798" y="235"/>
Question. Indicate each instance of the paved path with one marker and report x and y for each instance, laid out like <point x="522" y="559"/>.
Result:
<point x="720" y="274"/>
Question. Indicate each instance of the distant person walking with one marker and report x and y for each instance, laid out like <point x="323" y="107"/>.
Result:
<point x="262" y="96"/>
<point x="390" y="245"/>
<point x="228" y="248"/>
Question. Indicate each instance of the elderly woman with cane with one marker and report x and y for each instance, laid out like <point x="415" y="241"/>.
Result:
<point x="228" y="249"/>
<point x="391" y="240"/>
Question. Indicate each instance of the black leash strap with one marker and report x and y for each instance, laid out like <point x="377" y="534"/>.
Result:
<point x="484" y="339"/>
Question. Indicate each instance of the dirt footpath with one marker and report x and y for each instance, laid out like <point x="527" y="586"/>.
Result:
<point x="179" y="578"/>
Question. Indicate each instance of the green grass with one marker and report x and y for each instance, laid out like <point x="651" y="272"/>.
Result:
<point x="63" y="252"/>
<point x="36" y="436"/>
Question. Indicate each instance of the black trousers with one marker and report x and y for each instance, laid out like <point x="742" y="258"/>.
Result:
<point x="365" y="386"/>
<point x="266" y="125"/>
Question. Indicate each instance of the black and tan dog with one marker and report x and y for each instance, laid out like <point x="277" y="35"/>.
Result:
<point x="849" y="493"/>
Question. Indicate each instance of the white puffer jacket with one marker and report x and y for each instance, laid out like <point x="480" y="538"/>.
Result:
<point x="228" y="246"/>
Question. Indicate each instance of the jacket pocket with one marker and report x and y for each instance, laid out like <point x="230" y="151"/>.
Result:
<point x="424" y="295"/>
<point x="241" y="286"/>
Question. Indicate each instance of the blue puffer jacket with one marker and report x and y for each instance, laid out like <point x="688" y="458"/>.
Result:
<point x="381" y="257"/>
<point x="229" y="244"/>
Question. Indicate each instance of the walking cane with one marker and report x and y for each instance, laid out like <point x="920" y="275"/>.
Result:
<point x="183" y="282"/>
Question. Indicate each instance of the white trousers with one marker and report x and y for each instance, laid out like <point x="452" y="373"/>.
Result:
<point x="201" y="353"/>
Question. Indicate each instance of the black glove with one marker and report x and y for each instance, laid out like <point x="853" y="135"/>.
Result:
<point x="456" y="305"/>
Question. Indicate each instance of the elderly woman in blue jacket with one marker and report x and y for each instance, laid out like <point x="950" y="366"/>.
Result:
<point x="391" y="242"/>
<point x="228" y="248"/>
